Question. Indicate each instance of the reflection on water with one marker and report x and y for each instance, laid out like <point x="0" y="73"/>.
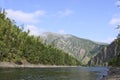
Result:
<point x="71" y="73"/>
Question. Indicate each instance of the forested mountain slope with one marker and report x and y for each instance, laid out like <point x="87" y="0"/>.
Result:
<point x="18" y="46"/>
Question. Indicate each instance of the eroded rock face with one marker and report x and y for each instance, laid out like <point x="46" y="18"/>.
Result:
<point x="81" y="49"/>
<point x="106" y="53"/>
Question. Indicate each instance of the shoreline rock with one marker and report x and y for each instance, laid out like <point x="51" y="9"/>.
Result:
<point x="113" y="74"/>
<point x="28" y="65"/>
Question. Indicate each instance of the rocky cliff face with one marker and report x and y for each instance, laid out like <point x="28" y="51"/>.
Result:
<point x="106" y="54"/>
<point x="81" y="49"/>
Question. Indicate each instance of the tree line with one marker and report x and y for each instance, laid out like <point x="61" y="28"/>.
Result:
<point x="16" y="45"/>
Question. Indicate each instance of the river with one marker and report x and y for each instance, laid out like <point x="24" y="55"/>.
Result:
<point x="58" y="73"/>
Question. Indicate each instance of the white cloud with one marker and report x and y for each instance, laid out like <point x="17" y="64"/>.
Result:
<point x="118" y="3"/>
<point x="66" y="12"/>
<point x="115" y="20"/>
<point x="24" y="17"/>
<point x="34" y="30"/>
<point x="108" y="40"/>
<point x="61" y="31"/>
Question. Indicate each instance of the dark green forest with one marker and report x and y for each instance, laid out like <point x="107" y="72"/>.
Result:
<point x="114" y="61"/>
<point x="16" y="45"/>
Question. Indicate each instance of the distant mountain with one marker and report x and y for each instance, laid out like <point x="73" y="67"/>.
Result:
<point x="81" y="49"/>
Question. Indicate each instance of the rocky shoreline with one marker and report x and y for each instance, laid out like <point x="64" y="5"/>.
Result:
<point x="28" y="65"/>
<point x="113" y="74"/>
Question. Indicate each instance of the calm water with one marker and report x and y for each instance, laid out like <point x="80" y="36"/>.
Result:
<point x="74" y="73"/>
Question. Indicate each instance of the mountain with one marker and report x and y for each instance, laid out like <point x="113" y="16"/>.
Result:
<point x="109" y="55"/>
<point x="81" y="49"/>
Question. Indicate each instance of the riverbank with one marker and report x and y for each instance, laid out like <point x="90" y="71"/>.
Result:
<point x="28" y="65"/>
<point x="113" y="74"/>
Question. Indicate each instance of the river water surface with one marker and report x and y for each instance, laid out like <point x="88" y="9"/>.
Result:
<point x="62" y="73"/>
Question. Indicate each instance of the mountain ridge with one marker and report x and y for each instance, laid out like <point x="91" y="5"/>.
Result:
<point x="80" y="48"/>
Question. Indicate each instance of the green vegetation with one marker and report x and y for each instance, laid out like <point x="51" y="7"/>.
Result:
<point x="18" y="46"/>
<point x="115" y="61"/>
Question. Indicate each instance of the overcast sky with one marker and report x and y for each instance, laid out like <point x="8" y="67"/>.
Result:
<point x="91" y="19"/>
